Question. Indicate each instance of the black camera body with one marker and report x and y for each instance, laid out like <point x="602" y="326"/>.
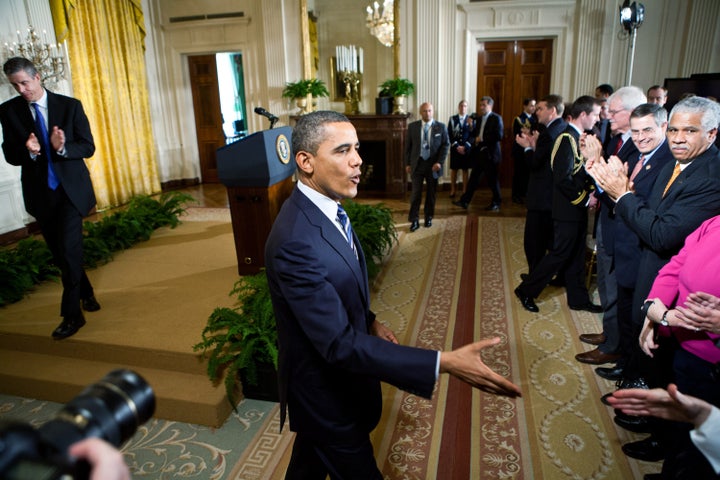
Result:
<point x="111" y="409"/>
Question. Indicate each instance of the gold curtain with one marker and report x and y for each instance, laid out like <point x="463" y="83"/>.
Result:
<point x="107" y="60"/>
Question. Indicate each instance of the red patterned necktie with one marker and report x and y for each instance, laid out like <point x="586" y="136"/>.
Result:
<point x="618" y="146"/>
<point x="638" y="167"/>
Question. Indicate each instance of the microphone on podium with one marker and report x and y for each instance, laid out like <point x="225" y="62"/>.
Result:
<point x="268" y="115"/>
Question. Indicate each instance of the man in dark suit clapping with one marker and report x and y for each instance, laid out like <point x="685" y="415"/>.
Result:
<point x="427" y="145"/>
<point x="571" y="189"/>
<point x="538" y="148"/>
<point x="48" y="135"/>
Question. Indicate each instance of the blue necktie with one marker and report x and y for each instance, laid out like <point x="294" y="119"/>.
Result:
<point x="45" y="140"/>
<point x="345" y="222"/>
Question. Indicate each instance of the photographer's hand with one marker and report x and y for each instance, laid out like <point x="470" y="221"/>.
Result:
<point x="106" y="461"/>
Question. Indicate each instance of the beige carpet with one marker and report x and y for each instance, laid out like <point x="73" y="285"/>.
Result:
<point x="451" y="284"/>
<point x="440" y="288"/>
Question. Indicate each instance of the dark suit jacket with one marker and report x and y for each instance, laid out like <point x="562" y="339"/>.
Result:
<point x="439" y="145"/>
<point x="330" y="368"/>
<point x="663" y="223"/>
<point x="571" y="185"/>
<point x="628" y="249"/>
<point x="540" y="186"/>
<point x="489" y="148"/>
<point x="627" y="153"/>
<point x="68" y="114"/>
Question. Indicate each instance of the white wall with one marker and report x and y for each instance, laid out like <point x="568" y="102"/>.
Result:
<point x="438" y="52"/>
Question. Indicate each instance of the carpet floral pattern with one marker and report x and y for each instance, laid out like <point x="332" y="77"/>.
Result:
<point x="441" y="287"/>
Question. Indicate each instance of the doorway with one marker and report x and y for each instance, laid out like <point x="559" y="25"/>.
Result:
<point x="218" y="92"/>
<point x="509" y="71"/>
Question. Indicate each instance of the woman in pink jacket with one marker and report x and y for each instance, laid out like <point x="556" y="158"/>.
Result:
<point x="684" y="304"/>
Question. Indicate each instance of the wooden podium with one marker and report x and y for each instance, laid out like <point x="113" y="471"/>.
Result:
<point x="257" y="172"/>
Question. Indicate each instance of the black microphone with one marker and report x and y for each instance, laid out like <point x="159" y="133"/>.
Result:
<point x="266" y="114"/>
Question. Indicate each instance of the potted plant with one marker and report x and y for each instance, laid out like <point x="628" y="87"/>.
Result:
<point x="298" y="91"/>
<point x="317" y="89"/>
<point x="398" y="88"/>
<point x="240" y="343"/>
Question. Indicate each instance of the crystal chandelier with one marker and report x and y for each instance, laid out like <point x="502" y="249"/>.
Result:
<point x="48" y="58"/>
<point x="380" y="21"/>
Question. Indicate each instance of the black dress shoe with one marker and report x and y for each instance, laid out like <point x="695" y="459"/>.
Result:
<point x="527" y="302"/>
<point x="68" y="327"/>
<point x="461" y="204"/>
<point x="493" y="207"/>
<point x="610" y="373"/>
<point x="414" y="225"/>
<point x="648" y="450"/>
<point x="633" y="423"/>
<point x="626" y="383"/>
<point x="90" y="304"/>
<point x="428" y="222"/>
<point x="588" y="307"/>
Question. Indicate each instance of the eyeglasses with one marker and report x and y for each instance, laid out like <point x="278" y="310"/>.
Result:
<point x="643" y="132"/>
<point x="615" y="112"/>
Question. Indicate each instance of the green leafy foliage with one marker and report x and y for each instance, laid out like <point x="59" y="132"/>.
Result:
<point x="375" y="228"/>
<point x="22" y="267"/>
<point x="241" y="337"/>
<point x="30" y="261"/>
<point x="303" y="88"/>
<point x="396" y="87"/>
<point x="122" y="230"/>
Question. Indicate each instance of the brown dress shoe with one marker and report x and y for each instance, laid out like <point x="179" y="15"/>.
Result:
<point x="596" y="357"/>
<point x="593" y="338"/>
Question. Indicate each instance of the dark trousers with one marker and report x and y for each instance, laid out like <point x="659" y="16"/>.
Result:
<point x="521" y="173"/>
<point x="683" y="459"/>
<point x="484" y="166"/>
<point x="624" y="323"/>
<point x="312" y="460"/>
<point x="567" y="256"/>
<point x="423" y="174"/>
<point x="538" y="236"/>
<point x="61" y="226"/>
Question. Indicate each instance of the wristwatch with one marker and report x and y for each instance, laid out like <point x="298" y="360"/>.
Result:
<point x="645" y="307"/>
<point x="663" y="320"/>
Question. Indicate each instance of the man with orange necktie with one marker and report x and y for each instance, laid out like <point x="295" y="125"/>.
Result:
<point x="674" y="209"/>
<point x="49" y="136"/>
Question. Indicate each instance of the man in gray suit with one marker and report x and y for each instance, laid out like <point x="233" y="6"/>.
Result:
<point x="427" y="145"/>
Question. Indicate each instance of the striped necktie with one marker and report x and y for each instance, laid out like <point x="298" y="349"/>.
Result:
<point x="425" y="144"/>
<point x="638" y="167"/>
<point x="676" y="172"/>
<point x="45" y="141"/>
<point x="347" y="228"/>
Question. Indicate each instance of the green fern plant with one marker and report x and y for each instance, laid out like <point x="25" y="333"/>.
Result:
<point x="375" y="228"/>
<point x="241" y="337"/>
<point x="30" y="261"/>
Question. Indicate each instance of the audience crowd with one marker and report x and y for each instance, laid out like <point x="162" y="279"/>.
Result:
<point x="651" y="178"/>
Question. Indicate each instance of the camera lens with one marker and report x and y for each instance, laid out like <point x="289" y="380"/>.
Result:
<point x="111" y="409"/>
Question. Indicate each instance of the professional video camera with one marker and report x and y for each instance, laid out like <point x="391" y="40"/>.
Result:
<point x="111" y="409"/>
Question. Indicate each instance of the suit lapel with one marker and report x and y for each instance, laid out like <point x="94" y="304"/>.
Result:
<point x="335" y="240"/>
